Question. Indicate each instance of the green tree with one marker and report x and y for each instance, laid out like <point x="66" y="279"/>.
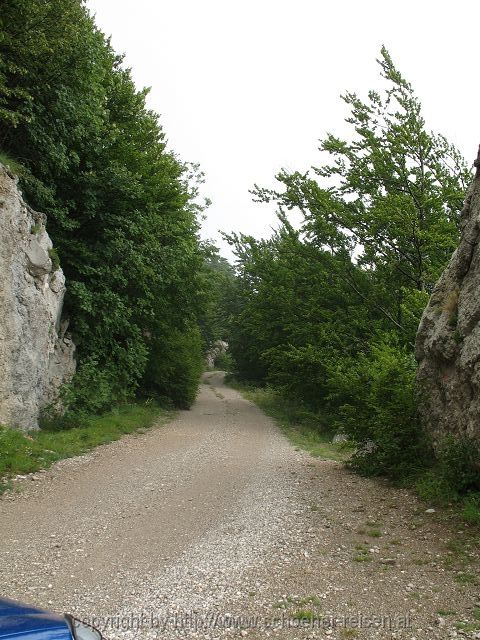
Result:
<point x="218" y="282"/>
<point x="121" y="206"/>
<point x="390" y="196"/>
<point x="293" y="314"/>
<point x="327" y="313"/>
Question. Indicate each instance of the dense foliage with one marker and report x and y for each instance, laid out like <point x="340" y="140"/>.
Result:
<point x="219" y="298"/>
<point x="327" y="313"/>
<point x="121" y="207"/>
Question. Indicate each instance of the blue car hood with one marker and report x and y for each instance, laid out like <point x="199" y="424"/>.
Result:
<point x="23" y="622"/>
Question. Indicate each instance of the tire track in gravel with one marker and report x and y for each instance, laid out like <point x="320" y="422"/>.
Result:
<point x="214" y="526"/>
<point x="91" y="531"/>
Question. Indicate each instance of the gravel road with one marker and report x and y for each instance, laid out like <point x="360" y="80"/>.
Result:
<point x="214" y="526"/>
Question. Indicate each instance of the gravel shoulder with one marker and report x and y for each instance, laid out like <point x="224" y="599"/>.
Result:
<point x="214" y="526"/>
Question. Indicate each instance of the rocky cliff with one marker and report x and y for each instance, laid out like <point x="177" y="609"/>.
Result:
<point x="218" y="348"/>
<point x="36" y="355"/>
<point x="448" y="339"/>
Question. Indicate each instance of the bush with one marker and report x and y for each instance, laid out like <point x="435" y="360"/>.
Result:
<point x="471" y="509"/>
<point x="454" y="474"/>
<point x="224" y="362"/>
<point x="300" y="372"/>
<point x="11" y="164"/>
<point x="90" y="393"/>
<point x="174" y="368"/>
<point x="380" y="412"/>
<point x="55" y="258"/>
<point x="458" y="463"/>
<point x="435" y="489"/>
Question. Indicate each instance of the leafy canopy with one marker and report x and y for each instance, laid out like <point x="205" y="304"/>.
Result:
<point x="327" y="313"/>
<point x="121" y="207"/>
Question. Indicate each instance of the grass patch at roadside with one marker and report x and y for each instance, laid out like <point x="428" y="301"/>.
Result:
<point x="303" y="429"/>
<point x="26" y="453"/>
<point x="451" y="485"/>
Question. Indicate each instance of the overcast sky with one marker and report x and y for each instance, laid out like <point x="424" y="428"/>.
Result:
<point x="246" y="88"/>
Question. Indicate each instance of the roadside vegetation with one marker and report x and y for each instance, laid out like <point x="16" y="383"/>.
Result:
<point x="298" y="424"/>
<point x="320" y="318"/>
<point x="325" y="313"/>
<point x="450" y="480"/>
<point x="122" y="208"/>
<point x="26" y="453"/>
<point x="144" y="294"/>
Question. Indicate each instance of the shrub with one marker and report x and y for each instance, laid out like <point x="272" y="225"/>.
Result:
<point x="380" y="414"/>
<point x="174" y="368"/>
<point x="435" y="489"/>
<point x="458" y="464"/>
<point x="471" y="509"/>
<point x="453" y="476"/>
<point x="90" y="393"/>
<point x="300" y="372"/>
<point x="224" y="362"/>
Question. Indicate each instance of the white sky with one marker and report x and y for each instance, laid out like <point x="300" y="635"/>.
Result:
<point x="248" y="87"/>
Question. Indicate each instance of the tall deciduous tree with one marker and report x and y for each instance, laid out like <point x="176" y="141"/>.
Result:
<point x="121" y="206"/>
<point x="327" y="313"/>
<point x="390" y="196"/>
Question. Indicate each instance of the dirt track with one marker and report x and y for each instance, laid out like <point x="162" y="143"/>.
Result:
<point x="215" y="526"/>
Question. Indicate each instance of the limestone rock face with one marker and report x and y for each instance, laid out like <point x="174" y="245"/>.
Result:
<point x="218" y="348"/>
<point x="448" y="338"/>
<point x="36" y="354"/>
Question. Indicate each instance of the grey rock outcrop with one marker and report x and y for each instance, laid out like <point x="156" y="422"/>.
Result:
<point x="218" y="348"/>
<point x="448" y="338"/>
<point x="36" y="354"/>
